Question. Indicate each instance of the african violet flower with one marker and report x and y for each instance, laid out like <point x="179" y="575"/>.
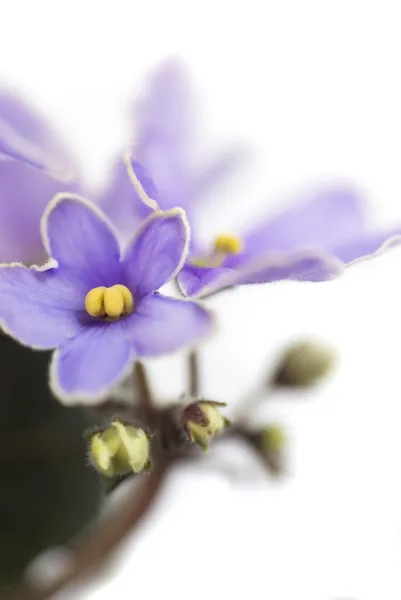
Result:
<point x="97" y="304"/>
<point x="34" y="165"/>
<point x="165" y="149"/>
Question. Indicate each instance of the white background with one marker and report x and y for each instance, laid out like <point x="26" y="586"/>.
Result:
<point x="316" y="86"/>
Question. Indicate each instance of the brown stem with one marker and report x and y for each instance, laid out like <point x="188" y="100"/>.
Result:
<point x="193" y="373"/>
<point x="97" y="547"/>
<point x="141" y="383"/>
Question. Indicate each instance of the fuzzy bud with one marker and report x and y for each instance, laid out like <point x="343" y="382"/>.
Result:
<point x="304" y="364"/>
<point x="203" y="420"/>
<point x="120" y="449"/>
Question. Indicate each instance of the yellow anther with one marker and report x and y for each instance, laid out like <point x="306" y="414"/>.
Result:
<point x="228" y="244"/>
<point x="94" y="302"/>
<point x="127" y="296"/>
<point x="115" y="301"/>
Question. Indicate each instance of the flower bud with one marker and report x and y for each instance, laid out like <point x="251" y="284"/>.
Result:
<point x="202" y="420"/>
<point x="270" y="443"/>
<point x="272" y="439"/>
<point x="304" y="364"/>
<point x="120" y="449"/>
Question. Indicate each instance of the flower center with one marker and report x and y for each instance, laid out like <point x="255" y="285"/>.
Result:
<point x="224" y="245"/>
<point x="113" y="302"/>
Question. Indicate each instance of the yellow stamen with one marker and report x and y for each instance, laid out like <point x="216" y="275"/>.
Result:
<point x="113" y="302"/>
<point x="224" y="245"/>
<point x="94" y="302"/>
<point x="228" y="244"/>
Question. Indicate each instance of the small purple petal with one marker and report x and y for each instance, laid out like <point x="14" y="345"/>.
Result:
<point x="157" y="252"/>
<point x="82" y="240"/>
<point x="92" y="362"/>
<point x="161" y="325"/>
<point x="35" y="306"/>
<point x="324" y="219"/>
<point x="366" y="245"/>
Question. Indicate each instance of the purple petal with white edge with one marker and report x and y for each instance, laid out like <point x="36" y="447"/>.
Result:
<point x="367" y="245"/>
<point x="306" y="265"/>
<point x="36" y="306"/>
<point x="324" y="218"/>
<point x="83" y="241"/>
<point x="161" y="325"/>
<point x="164" y="121"/>
<point x="88" y="365"/>
<point x="157" y="252"/>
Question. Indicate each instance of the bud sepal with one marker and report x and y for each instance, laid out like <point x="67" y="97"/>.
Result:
<point x="119" y="449"/>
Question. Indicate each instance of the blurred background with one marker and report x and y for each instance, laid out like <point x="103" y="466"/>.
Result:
<point x="314" y="85"/>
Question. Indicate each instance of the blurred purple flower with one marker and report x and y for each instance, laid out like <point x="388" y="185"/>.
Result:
<point x="34" y="165"/>
<point x="97" y="305"/>
<point x="314" y="240"/>
<point x="165" y="128"/>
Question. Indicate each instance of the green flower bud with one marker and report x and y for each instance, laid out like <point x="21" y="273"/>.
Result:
<point x="304" y="364"/>
<point x="202" y="421"/>
<point x="120" y="449"/>
<point x="273" y="439"/>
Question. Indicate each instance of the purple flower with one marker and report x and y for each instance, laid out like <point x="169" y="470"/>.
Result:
<point x="165" y="125"/>
<point x="97" y="304"/>
<point x="314" y="240"/>
<point x="34" y="165"/>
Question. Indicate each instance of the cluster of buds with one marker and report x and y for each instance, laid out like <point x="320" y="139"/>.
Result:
<point x="122" y="449"/>
<point x="119" y="450"/>
<point x="202" y="421"/>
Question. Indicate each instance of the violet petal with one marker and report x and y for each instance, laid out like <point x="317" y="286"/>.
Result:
<point x="36" y="307"/>
<point x="157" y="251"/>
<point x="87" y="365"/>
<point x="324" y="218"/>
<point x="82" y="240"/>
<point x="366" y="245"/>
<point x="161" y="325"/>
